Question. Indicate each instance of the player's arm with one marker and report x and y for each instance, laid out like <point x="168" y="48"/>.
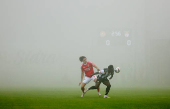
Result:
<point x="112" y="75"/>
<point x="93" y="65"/>
<point x="96" y="67"/>
<point x="95" y="73"/>
<point x="82" y="75"/>
<point x="101" y="71"/>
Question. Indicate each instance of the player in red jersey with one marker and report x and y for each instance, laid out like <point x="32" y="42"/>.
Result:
<point x="87" y="68"/>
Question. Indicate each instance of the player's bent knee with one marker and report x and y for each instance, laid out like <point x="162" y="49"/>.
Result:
<point x="83" y="85"/>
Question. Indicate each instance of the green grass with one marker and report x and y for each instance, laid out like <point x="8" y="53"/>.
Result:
<point x="70" y="99"/>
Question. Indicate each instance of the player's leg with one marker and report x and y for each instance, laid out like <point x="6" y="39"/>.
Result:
<point x="98" y="82"/>
<point x="107" y="83"/>
<point x="82" y="86"/>
<point x="96" y="86"/>
<point x="98" y="89"/>
<point x="85" y="81"/>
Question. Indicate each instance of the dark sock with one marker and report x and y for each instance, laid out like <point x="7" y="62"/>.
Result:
<point x="92" y="87"/>
<point x="107" y="89"/>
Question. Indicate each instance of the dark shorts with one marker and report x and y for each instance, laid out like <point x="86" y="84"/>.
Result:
<point x="99" y="79"/>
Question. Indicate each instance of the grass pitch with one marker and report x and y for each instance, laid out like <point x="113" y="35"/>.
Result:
<point x="70" y="99"/>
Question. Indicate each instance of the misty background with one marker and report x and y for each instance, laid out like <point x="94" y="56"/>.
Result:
<point x="41" y="41"/>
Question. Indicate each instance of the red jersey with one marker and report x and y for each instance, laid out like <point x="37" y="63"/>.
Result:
<point x="88" y="68"/>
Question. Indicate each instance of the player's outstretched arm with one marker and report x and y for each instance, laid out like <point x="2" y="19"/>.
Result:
<point x="95" y="73"/>
<point x="111" y="76"/>
<point x="96" y="68"/>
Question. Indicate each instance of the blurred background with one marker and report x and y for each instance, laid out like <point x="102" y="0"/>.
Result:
<point x="41" y="41"/>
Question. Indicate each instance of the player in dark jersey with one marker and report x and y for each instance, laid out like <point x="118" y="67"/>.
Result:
<point x="102" y="77"/>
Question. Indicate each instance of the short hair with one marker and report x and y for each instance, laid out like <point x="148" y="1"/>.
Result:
<point x="110" y="66"/>
<point x="81" y="58"/>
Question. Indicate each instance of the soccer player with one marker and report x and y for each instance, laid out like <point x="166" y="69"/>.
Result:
<point x="102" y="77"/>
<point x="87" y="68"/>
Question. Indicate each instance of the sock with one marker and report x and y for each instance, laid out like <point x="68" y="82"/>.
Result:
<point x="107" y="89"/>
<point x="92" y="87"/>
<point x="98" y="90"/>
<point x="82" y="89"/>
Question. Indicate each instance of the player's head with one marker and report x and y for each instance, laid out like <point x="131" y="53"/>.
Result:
<point x="83" y="59"/>
<point x="110" y="69"/>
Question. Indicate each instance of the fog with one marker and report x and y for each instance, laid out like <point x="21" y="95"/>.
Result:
<point x="41" y="41"/>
